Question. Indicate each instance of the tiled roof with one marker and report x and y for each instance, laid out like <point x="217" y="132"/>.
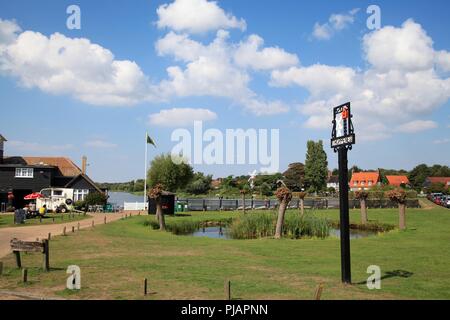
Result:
<point x="362" y="179"/>
<point x="397" y="180"/>
<point x="444" y="180"/>
<point x="65" y="165"/>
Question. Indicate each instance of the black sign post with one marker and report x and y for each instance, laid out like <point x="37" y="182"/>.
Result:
<point x="342" y="139"/>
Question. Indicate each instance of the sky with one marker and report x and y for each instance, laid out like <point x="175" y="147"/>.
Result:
<point x="158" y="66"/>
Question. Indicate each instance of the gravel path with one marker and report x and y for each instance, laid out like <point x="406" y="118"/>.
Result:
<point x="41" y="231"/>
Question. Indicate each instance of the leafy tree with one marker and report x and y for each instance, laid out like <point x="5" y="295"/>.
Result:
<point x="95" y="198"/>
<point x="171" y="175"/>
<point x="437" y="187"/>
<point x="200" y="184"/>
<point x="265" y="189"/>
<point x="418" y="175"/>
<point x="399" y="196"/>
<point x="156" y="194"/>
<point x="294" y="176"/>
<point x="284" y="196"/>
<point x="316" y="166"/>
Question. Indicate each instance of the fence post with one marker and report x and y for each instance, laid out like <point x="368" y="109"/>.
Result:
<point x="1" y="268"/>
<point x="104" y="220"/>
<point x="64" y="231"/>
<point x="49" y="236"/>
<point x="78" y="226"/>
<point x="46" y="261"/>
<point x="318" y="293"/>
<point x="24" y="275"/>
<point x="18" y="260"/>
<point x="227" y="290"/>
<point x="145" y="286"/>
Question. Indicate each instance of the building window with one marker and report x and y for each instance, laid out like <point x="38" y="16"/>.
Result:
<point x="80" y="194"/>
<point x="363" y="183"/>
<point x="370" y="182"/>
<point x="355" y="183"/>
<point x="24" y="172"/>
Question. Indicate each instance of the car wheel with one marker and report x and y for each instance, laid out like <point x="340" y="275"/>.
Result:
<point x="63" y="210"/>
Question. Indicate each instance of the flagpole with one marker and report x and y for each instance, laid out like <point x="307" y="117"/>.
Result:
<point x="145" y="175"/>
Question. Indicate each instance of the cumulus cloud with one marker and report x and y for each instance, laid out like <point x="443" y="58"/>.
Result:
<point x="74" y="66"/>
<point x="249" y="54"/>
<point x="417" y="126"/>
<point x="400" y="86"/>
<point x="196" y="16"/>
<point x="179" y="117"/>
<point x="100" y="144"/>
<point x="37" y="148"/>
<point x="336" y="22"/>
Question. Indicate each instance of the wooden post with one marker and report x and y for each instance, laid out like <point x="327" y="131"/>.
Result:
<point x="318" y="293"/>
<point x="78" y="226"/>
<point x="46" y="255"/>
<point x="73" y="229"/>
<point x="92" y="223"/>
<point x="40" y="219"/>
<point x="18" y="261"/>
<point x="1" y="268"/>
<point x="49" y="236"/>
<point x="53" y="219"/>
<point x="24" y="275"/>
<point x="104" y="220"/>
<point x="227" y="290"/>
<point x="145" y="286"/>
<point x="64" y="231"/>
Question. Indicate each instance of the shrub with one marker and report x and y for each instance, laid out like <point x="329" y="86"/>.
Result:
<point x="95" y="198"/>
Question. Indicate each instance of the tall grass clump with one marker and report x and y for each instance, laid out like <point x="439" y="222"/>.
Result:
<point x="176" y="227"/>
<point x="296" y="226"/>
<point x="253" y="226"/>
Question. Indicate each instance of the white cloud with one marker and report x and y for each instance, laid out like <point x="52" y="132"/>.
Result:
<point x="417" y="126"/>
<point x="179" y="117"/>
<point x="392" y="95"/>
<point x="101" y="144"/>
<point x="408" y="48"/>
<point x="441" y="141"/>
<point x="34" y="147"/>
<point x="196" y="16"/>
<point x="336" y="22"/>
<point x="443" y="60"/>
<point x="61" y="65"/>
<point x="250" y="54"/>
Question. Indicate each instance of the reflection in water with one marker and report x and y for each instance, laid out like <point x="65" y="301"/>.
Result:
<point x="220" y="233"/>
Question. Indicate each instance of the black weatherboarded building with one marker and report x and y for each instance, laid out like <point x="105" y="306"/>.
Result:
<point x="20" y="176"/>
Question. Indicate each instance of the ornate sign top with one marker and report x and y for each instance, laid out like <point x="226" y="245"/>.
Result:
<point x="342" y="135"/>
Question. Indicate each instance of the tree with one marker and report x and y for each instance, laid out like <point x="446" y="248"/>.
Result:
<point x="301" y="196"/>
<point x="265" y="189"/>
<point x="418" y="175"/>
<point x="200" y="184"/>
<point x="437" y="187"/>
<point x="156" y="193"/>
<point x="399" y="196"/>
<point x="95" y="199"/>
<point x="316" y="166"/>
<point x="243" y="192"/>
<point x="362" y="196"/>
<point x="171" y="175"/>
<point x="294" y="176"/>
<point x="284" y="196"/>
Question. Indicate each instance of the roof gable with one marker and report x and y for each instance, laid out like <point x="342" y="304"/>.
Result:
<point x="365" y="176"/>
<point x="397" y="180"/>
<point x="65" y="165"/>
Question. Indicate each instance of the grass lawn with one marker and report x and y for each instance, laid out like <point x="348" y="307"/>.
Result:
<point x="7" y="220"/>
<point x="115" y="258"/>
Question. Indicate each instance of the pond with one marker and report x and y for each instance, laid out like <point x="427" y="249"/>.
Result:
<point x="220" y="233"/>
<point x="118" y="198"/>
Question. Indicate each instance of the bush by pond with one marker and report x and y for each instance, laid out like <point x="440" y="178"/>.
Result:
<point x="260" y="225"/>
<point x="176" y="227"/>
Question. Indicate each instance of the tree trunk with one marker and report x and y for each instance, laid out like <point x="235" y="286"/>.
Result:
<point x="363" y="211"/>
<point x="243" y="202"/>
<point x="280" y="220"/>
<point x="402" y="216"/>
<point x="160" y="215"/>
<point x="302" y="207"/>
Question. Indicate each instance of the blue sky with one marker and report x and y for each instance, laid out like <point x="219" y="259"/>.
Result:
<point x="397" y="78"/>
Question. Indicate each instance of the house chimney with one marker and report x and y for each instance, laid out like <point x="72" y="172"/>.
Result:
<point x="83" y="164"/>
<point x="2" y="140"/>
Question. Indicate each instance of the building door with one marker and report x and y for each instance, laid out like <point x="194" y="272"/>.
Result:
<point x="19" y="194"/>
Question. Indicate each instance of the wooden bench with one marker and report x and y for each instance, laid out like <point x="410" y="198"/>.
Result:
<point x="18" y="246"/>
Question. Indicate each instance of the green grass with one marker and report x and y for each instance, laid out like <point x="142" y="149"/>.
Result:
<point x="7" y="220"/>
<point x="114" y="259"/>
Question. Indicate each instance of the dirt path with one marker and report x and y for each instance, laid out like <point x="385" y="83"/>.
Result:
<point x="41" y="231"/>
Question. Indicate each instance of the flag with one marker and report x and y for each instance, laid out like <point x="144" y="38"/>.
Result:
<point x="150" y="141"/>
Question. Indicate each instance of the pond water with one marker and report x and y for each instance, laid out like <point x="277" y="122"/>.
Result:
<point x="220" y="233"/>
<point x="118" y="198"/>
